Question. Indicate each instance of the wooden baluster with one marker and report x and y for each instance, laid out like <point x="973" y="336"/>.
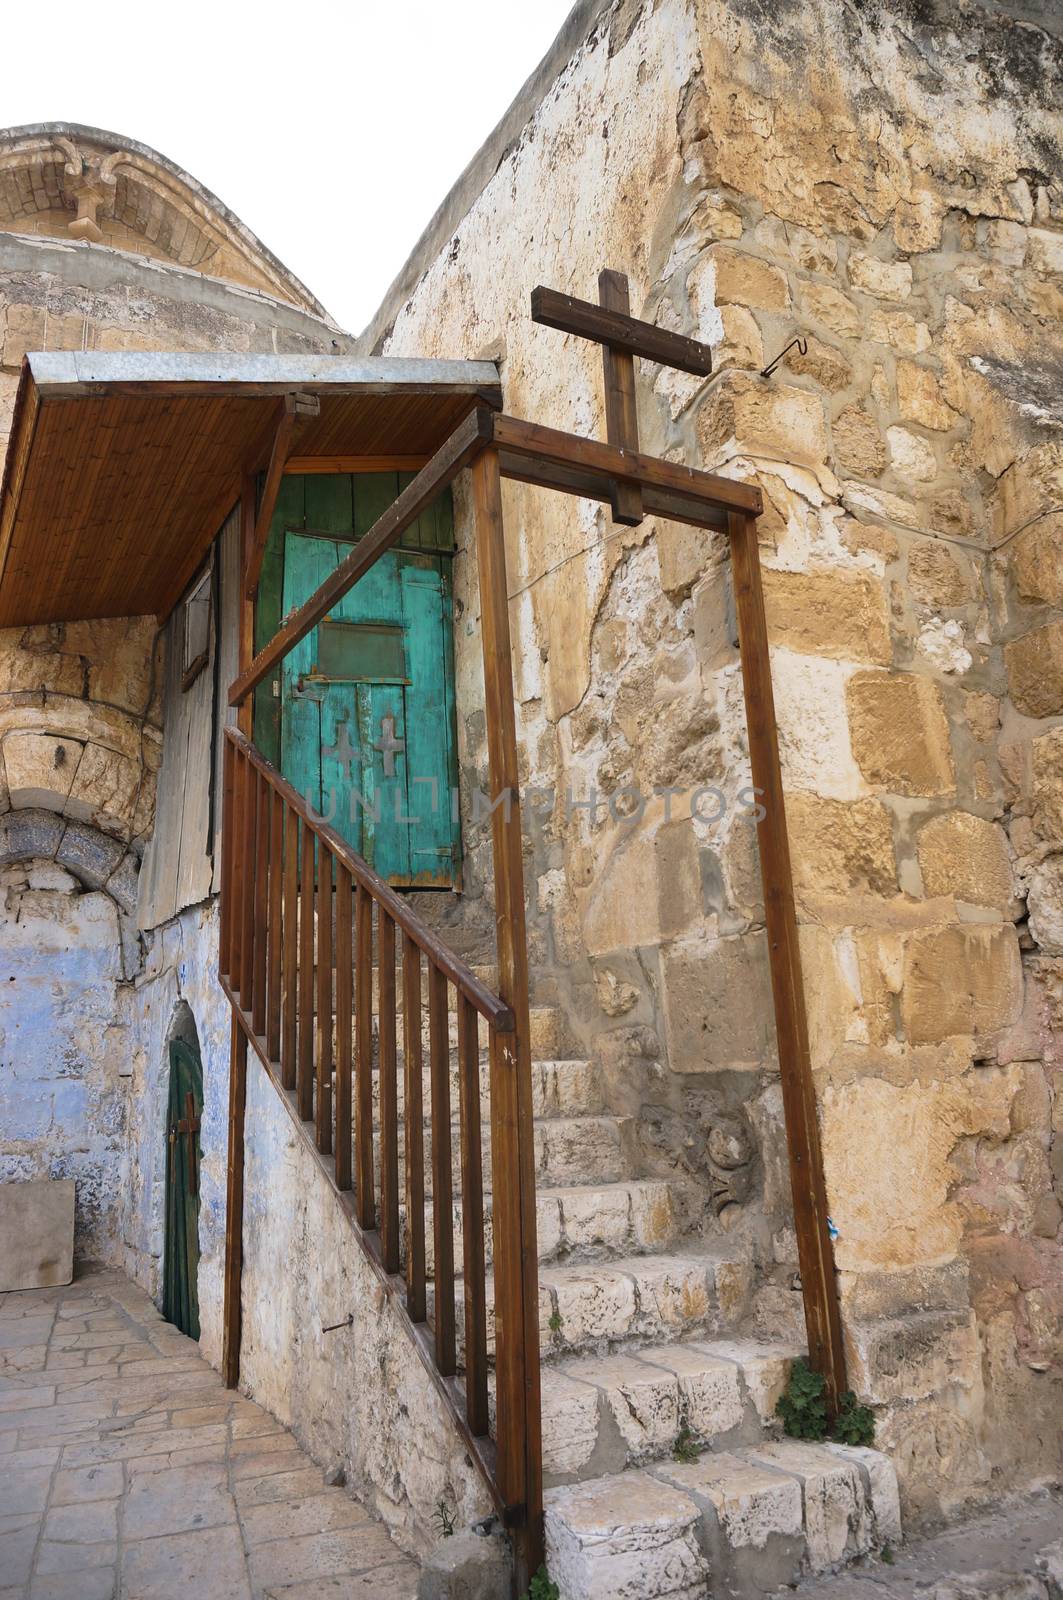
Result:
<point x="305" y="1058"/>
<point x="247" y="872"/>
<point x="261" y="870"/>
<point x="363" y="1109"/>
<point x="290" y="959"/>
<point x="344" y="1025"/>
<point x="225" y="909"/>
<point x="516" y="1260"/>
<point x="442" y="1172"/>
<point x="274" y="929"/>
<point x="323" y="1117"/>
<point x="413" y="1115"/>
<point x="388" y="1081"/>
<point x="472" y="1217"/>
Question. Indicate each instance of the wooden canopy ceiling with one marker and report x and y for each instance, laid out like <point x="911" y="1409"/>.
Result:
<point x="121" y="467"/>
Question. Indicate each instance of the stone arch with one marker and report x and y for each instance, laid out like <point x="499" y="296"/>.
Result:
<point x="68" y="949"/>
<point x="96" y="859"/>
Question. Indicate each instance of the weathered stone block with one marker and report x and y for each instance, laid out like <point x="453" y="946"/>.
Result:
<point x="29" y="833"/>
<point x="753" y="1522"/>
<point x="36" y="1234"/>
<point x="920" y="399"/>
<point x="965" y="856"/>
<point x="710" y="1400"/>
<point x="886" y="280"/>
<point x="762" y="417"/>
<point x="745" y="280"/>
<point x="839" y="847"/>
<point x="882" y="1488"/>
<point x="899" y="733"/>
<point x="935" y="574"/>
<point x="92" y="856"/>
<point x="1045" y="901"/>
<point x="1035" y="671"/>
<point x="40" y="768"/>
<point x="960" y="980"/>
<point x="822" y="363"/>
<point x="624" y="1536"/>
<point x="834" y="309"/>
<point x="765" y="1370"/>
<point x="858" y="444"/>
<point x="900" y="330"/>
<point x="911" y="454"/>
<point x="907" y="1358"/>
<point x="641" y="1400"/>
<point x="467" y="1567"/>
<point x="1037" y="562"/>
<point x="828" y="614"/>
<point x="838" y="1524"/>
<point x="717" y="1004"/>
<point x="1046" y="761"/>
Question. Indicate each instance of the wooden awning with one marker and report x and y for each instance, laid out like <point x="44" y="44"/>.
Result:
<point x="122" y="466"/>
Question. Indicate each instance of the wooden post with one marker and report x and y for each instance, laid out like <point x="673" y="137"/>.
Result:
<point x="621" y="414"/>
<point x="234" y="837"/>
<point x="516" y="1261"/>
<point x="816" y="1258"/>
<point x="234" y="1206"/>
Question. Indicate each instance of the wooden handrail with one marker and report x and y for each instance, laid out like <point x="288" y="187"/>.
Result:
<point x="493" y="1010"/>
<point x="302" y="918"/>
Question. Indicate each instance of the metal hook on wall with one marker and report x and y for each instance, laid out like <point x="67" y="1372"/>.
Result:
<point x="802" y="346"/>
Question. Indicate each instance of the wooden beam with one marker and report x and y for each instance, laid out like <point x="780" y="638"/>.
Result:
<point x="630" y="466"/>
<point x="324" y="464"/>
<point x="516" y="1257"/>
<point x="282" y="439"/>
<point x="598" y="486"/>
<point x="465" y="442"/>
<point x="620" y="332"/>
<point x="621" y="414"/>
<point x="816" y="1258"/>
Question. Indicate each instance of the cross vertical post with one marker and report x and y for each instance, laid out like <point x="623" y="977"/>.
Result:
<point x="621" y="413"/>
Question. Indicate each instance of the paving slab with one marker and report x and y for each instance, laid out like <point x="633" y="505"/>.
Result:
<point x="128" y="1469"/>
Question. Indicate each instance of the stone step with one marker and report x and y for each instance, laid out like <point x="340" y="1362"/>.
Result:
<point x="547" y="1032"/>
<point x="595" y="1222"/>
<point x="604" y="1414"/>
<point x="599" y="1307"/>
<point x="559" y="1088"/>
<point x="577" y="1151"/>
<point x="739" y="1523"/>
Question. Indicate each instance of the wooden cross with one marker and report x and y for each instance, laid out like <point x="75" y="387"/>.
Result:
<point x="189" y="1126"/>
<point x="622" y="338"/>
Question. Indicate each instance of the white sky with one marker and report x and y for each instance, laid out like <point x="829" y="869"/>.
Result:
<point x="333" y="131"/>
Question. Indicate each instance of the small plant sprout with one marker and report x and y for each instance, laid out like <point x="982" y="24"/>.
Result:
<point x="555" y="1325"/>
<point x="803" y="1410"/>
<point x="685" y="1448"/>
<point x="444" y="1519"/>
<point x="542" y="1587"/>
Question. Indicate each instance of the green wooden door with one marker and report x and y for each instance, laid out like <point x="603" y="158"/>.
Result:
<point x="367" y="708"/>
<point x="181" y="1263"/>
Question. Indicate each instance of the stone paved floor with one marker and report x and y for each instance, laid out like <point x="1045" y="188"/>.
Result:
<point x="127" y="1471"/>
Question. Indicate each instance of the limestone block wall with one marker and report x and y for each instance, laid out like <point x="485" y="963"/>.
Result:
<point x="885" y="185"/>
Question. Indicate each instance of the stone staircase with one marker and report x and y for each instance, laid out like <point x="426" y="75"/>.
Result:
<point x="666" y="1473"/>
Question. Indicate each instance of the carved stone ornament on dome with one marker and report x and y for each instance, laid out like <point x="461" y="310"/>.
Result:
<point x="91" y="185"/>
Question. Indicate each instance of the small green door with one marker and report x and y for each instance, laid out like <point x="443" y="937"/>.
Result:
<point x="181" y="1264"/>
<point x="367" y="709"/>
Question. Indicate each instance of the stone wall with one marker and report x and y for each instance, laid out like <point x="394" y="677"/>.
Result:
<point x="878" y="180"/>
